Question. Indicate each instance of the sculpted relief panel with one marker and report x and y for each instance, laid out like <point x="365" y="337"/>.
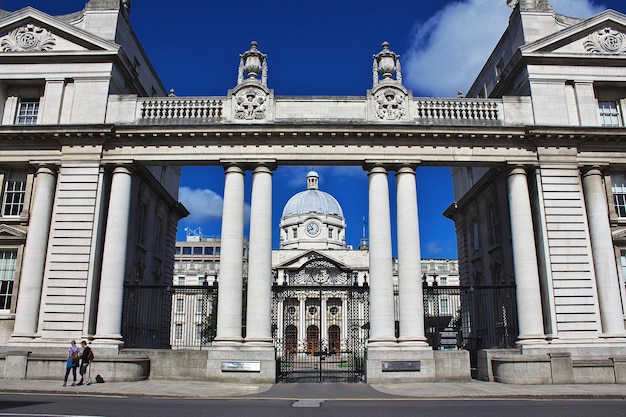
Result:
<point x="606" y="41"/>
<point x="250" y="104"/>
<point x="390" y="104"/>
<point x="29" y="38"/>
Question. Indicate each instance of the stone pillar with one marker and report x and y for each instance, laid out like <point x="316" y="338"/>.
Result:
<point x="530" y="316"/>
<point x="382" y="322"/>
<point x="109" y="321"/>
<point x="604" y="264"/>
<point x="259" y="312"/>
<point x="34" y="258"/>
<point x="409" y="260"/>
<point x="230" y="296"/>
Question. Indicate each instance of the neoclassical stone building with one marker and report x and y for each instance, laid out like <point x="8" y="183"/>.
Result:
<point x="90" y="179"/>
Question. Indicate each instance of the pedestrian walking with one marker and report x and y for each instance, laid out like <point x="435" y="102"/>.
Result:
<point x="86" y="358"/>
<point x="71" y="363"/>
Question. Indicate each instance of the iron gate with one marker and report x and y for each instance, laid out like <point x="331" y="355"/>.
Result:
<point x="320" y="332"/>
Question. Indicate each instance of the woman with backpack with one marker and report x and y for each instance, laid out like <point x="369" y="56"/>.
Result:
<point x="73" y="357"/>
<point x="86" y="358"/>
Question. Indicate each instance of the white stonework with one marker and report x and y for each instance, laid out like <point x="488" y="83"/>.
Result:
<point x="536" y="148"/>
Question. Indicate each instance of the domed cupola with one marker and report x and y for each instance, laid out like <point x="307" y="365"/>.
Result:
<point x="312" y="219"/>
<point x="312" y="200"/>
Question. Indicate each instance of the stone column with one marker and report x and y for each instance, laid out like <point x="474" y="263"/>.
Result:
<point x="34" y="258"/>
<point x="344" y="318"/>
<point x="109" y="321"/>
<point x="259" y="312"/>
<point x="409" y="260"/>
<point x="530" y="316"/>
<point x="382" y="322"/>
<point x="230" y="296"/>
<point x="604" y="264"/>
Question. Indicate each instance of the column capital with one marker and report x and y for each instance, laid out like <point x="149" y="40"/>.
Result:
<point x="375" y="169"/>
<point x="518" y="170"/>
<point x="592" y="170"/>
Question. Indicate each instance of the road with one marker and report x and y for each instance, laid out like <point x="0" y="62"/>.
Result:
<point x="15" y="405"/>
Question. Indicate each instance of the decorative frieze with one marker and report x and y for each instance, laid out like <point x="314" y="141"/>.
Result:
<point x="29" y="38"/>
<point x="606" y="41"/>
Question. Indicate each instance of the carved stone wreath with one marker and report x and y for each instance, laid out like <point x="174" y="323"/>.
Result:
<point x="250" y="104"/>
<point x="390" y="104"/>
<point x="29" y="38"/>
<point x="606" y="41"/>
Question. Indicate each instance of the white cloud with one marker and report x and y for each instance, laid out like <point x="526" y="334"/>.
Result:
<point x="450" y="48"/>
<point x="202" y="204"/>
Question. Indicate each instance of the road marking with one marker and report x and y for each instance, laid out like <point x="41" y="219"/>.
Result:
<point x="43" y="415"/>
<point x="307" y="403"/>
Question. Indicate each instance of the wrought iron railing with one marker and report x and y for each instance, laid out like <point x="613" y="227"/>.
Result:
<point x="470" y="318"/>
<point x="164" y="316"/>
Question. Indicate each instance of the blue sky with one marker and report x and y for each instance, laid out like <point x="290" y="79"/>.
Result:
<point x="320" y="48"/>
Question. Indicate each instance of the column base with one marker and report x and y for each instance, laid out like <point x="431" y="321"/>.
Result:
<point x="242" y="364"/>
<point x="422" y="343"/>
<point x="258" y="342"/>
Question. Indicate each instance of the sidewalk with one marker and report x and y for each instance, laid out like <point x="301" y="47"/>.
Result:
<point x="217" y="390"/>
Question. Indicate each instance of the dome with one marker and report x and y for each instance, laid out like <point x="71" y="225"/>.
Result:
<point x="312" y="200"/>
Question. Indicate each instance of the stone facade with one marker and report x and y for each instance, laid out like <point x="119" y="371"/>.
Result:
<point x="536" y="146"/>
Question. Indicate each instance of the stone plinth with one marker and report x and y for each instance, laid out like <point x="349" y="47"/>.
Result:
<point x="385" y="364"/>
<point x="254" y="364"/>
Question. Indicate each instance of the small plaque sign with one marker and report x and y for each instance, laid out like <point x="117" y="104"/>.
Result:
<point x="401" y="366"/>
<point x="241" y="366"/>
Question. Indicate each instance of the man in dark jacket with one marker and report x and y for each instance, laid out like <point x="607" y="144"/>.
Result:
<point x="85" y="359"/>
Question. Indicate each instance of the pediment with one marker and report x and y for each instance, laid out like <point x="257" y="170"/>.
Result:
<point x="619" y="235"/>
<point x="603" y="35"/>
<point x="301" y="259"/>
<point x="31" y="31"/>
<point x="10" y="233"/>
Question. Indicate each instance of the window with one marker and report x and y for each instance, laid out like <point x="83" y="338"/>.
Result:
<point x="141" y="217"/>
<point x="609" y="113"/>
<point x="499" y="69"/>
<point x="177" y="250"/>
<point x="27" y="111"/>
<point x="14" y="193"/>
<point x="187" y="250"/>
<point x="198" y="332"/>
<point x="217" y="250"/>
<point x="494" y="229"/>
<point x="475" y="241"/>
<point x="444" y="308"/>
<point x="330" y="232"/>
<point x="178" y="331"/>
<point x="180" y="304"/>
<point x="208" y="251"/>
<point x="294" y="233"/>
<point x="157" y="235"/>
<point x="181" y="280"/>
<point x="197" y="251"/>
<point x="618" y="188"/>
<point x="443" y="281"/>
<point x="7" y="276"/>
<point x="199" y="305"/>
